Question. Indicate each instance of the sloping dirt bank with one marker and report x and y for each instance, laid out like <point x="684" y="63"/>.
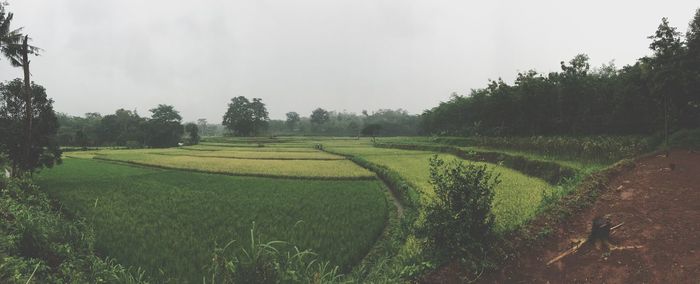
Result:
<point x="658" y="201"/>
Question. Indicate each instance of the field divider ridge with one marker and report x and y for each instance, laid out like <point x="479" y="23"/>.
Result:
<point x="232" y="174"/>
<point x="253" y="158"/>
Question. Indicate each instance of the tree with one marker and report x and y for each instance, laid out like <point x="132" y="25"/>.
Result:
<point x="245" y="118"/>
<point x="43" y="151"/>
<point x="260" y="116"/>
<point x="121" y="127"/>
<point x="192" y="133"/>
<point x="371" y="130"/>
<point x="164" y="128"/>
<point x="666" y="80"/>
<point x="319" y="116"/>
<point x="459" y="222"/>
<point x="202" y="125"/>
<point x="15" y="47"/>
<point x="292" y="121"/>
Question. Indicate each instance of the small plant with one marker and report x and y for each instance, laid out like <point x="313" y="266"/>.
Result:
<point x="459" y="223"/>
<point x="269" y="262"/>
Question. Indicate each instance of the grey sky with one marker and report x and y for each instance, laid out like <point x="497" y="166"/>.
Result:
<point x="351" y="55"/>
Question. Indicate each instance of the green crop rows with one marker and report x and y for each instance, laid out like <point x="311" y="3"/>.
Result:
<point x="168" y="221"/>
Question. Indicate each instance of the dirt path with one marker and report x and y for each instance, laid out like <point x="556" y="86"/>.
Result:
<point x="659" y="203"/>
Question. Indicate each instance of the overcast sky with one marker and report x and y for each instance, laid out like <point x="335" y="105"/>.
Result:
<point x="298" y="55"/>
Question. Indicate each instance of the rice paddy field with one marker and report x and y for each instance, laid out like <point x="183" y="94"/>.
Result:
<point x="165" y="209"/>
<point x="168" y="221"/>
<point x="516" y="199"/>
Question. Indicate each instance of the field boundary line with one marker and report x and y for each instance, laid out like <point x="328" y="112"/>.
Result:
<point x="234" y="174"/>
<point x="242" y="158"/>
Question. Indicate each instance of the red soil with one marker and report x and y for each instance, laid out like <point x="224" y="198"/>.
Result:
<point x="659" y="203"/>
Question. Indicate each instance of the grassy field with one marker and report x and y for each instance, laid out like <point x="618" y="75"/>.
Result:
<point x="167" y="221"/>
<point x="149" y="212"/>
<point x="234" y="161"/>
<point x="516" y="199"/>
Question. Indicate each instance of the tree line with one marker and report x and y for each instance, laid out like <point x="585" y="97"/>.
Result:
<point x="127" y="128"/>
<point x="656" y="93"/>
<point x="250" y="118"/>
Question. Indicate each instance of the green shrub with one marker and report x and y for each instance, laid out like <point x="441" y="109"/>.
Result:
<point x="687" y="139"/>
<point x="37" y="244"/>
<point x="459" y="222"/>
<point x="605" y="149"/>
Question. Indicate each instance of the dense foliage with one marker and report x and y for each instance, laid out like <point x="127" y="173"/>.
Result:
<point x="37" y="243"/>
<point x="603" y="149"/>
<point x="244" y="117"/>
<point x="636" y="99"/>
<point x="123" y="128"/>
<point x="386" y="122"/>
<point x="44" y="150"/>
<point x="459" y="223"/>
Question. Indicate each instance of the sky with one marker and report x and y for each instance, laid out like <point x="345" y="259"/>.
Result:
<point x="343" y="55"/>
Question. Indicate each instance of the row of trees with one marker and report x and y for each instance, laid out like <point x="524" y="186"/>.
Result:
<point x="128" y="128"/>
<point x="658" y="90"/>
<point x="250" y="118"/>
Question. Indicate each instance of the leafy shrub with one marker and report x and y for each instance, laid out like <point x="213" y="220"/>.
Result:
<point x="592" y="148"/>
<point x="37" y="244"/>
<point x="689" y="139"/>
<point x="459" y="223"/>
<point x="131" y="144"/>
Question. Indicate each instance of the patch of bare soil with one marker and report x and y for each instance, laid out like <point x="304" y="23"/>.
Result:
<point x="659" y="203"/>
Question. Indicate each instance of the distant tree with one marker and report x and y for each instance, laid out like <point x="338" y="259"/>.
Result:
<point x="44" y="151"/>
<point x="371" y="130"/>
<point x="245" y="118"/>
<point x="121" y="127"/>
<point x="192" y="133"/>
<point x="81" y="139"/>
<point x="319" y="116"/>
<point x="667" y="82"/>
<point x="164" y="128"/>
<point x="260" y="116"/>
<point x="292" y="121"/>
<point x="203" y="127"/>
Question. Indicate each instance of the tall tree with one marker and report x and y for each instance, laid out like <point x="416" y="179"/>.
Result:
<point x="667" y="81"/>
<point x="260" y="116"/>
<point x="292" y="121"/>
<point x="164" y="128"/>
<point x="15" y="47"/>
<point x="43" y="151"/>
<point x="192" y="133"/>
<point x="319" y="116"/>
<point x="245" y="118"/>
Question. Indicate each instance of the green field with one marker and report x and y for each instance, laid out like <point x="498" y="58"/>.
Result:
<point x="234" y="161"/>
<point x="517" y="196"/>
<point x="164" y="209"/>
<point x="168" y="221"/>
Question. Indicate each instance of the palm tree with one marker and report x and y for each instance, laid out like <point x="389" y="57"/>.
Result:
<point x="15" y="47"/>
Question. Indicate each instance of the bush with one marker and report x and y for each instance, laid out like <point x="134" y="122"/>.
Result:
<point x="459" y="223"/>
<point x="604" y="149"/>
<point x="687" y="139"/>
<point x="37" y="245"/>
